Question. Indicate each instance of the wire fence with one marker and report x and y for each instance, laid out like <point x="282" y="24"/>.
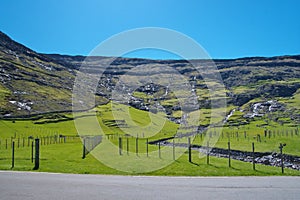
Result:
<point x="89" y="143"/>
<point x="22" y="142"/>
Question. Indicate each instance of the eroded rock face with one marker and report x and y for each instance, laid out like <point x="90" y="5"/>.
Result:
<point x="241" y="99"/>
<point x="278" y="90"/>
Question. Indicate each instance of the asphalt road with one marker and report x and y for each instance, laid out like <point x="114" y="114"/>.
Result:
<point x="41" y="186"/>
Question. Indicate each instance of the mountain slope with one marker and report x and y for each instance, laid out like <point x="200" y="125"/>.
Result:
<point x="32" y="83"/>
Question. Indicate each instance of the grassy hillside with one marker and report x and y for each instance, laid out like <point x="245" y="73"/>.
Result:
<point x="32" y="83"/>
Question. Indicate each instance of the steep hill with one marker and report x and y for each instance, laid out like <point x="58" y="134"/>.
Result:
<point x="32" y="82"/>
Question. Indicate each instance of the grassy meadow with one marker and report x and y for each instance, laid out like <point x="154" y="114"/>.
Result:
<point x="66" y="156"/>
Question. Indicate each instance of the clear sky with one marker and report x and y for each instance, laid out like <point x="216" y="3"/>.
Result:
<point x="225" y="28"/>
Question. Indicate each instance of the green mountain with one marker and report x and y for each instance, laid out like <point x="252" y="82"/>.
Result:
<point x="33" y="83"/>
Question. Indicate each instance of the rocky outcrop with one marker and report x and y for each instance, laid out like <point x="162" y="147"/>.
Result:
<point x="278" y="90"/>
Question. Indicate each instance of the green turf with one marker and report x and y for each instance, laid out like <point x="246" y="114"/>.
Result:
<point x="67" y="157"/>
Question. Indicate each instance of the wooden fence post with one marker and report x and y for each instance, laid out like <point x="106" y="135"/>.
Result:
<point x="13" y="155"/>
<point x="229" y="154"/>
<point x="32" y="145"/>
<point x="127" y="145"/>
<point x="207" y="153"/>
<point x="281" y="157"/>
<point x="120" y="146"/>
<point x="190" y="149"/>
<point x="253" y="155"/>
<point x="37" y="154"/>
<point x="159" y="154"/>
<point x="173" y="149"/>
<point x="265" y="132"/>
<point x="83" y="149"/>
<point x="137" y="146"/>
<point x="147" y="148"/>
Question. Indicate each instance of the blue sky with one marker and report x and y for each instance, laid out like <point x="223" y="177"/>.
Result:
<point x="225" y="28"/>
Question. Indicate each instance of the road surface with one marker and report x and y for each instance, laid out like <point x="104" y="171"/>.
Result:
<point x="41" y="186"/>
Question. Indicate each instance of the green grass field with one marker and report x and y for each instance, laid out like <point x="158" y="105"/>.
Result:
<point x="67" y="157"/>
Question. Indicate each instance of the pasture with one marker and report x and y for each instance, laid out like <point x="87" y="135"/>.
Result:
<point x="61" y="147"/>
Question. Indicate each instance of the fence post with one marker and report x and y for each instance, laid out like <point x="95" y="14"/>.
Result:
<point x="127" y="145"/>
<point x="37" y="154"/>
<point x="173" y="149"/>
<point x="120" y="146"/>
<point x="207" y="153"/>
<point x="265" y="132"/>
<point x="13" y="155"/>
<point x="137" y="146"/>
<point x="281" y="157"/>
<point x="253" y="155"/>
<point x="147" y="148"/>
<point x="159" y="155"/>
<point x="189" y="149"/>
<point x="229" y="161"/>
<point x="32" y="145"/>
<point x="83" y="149"/>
